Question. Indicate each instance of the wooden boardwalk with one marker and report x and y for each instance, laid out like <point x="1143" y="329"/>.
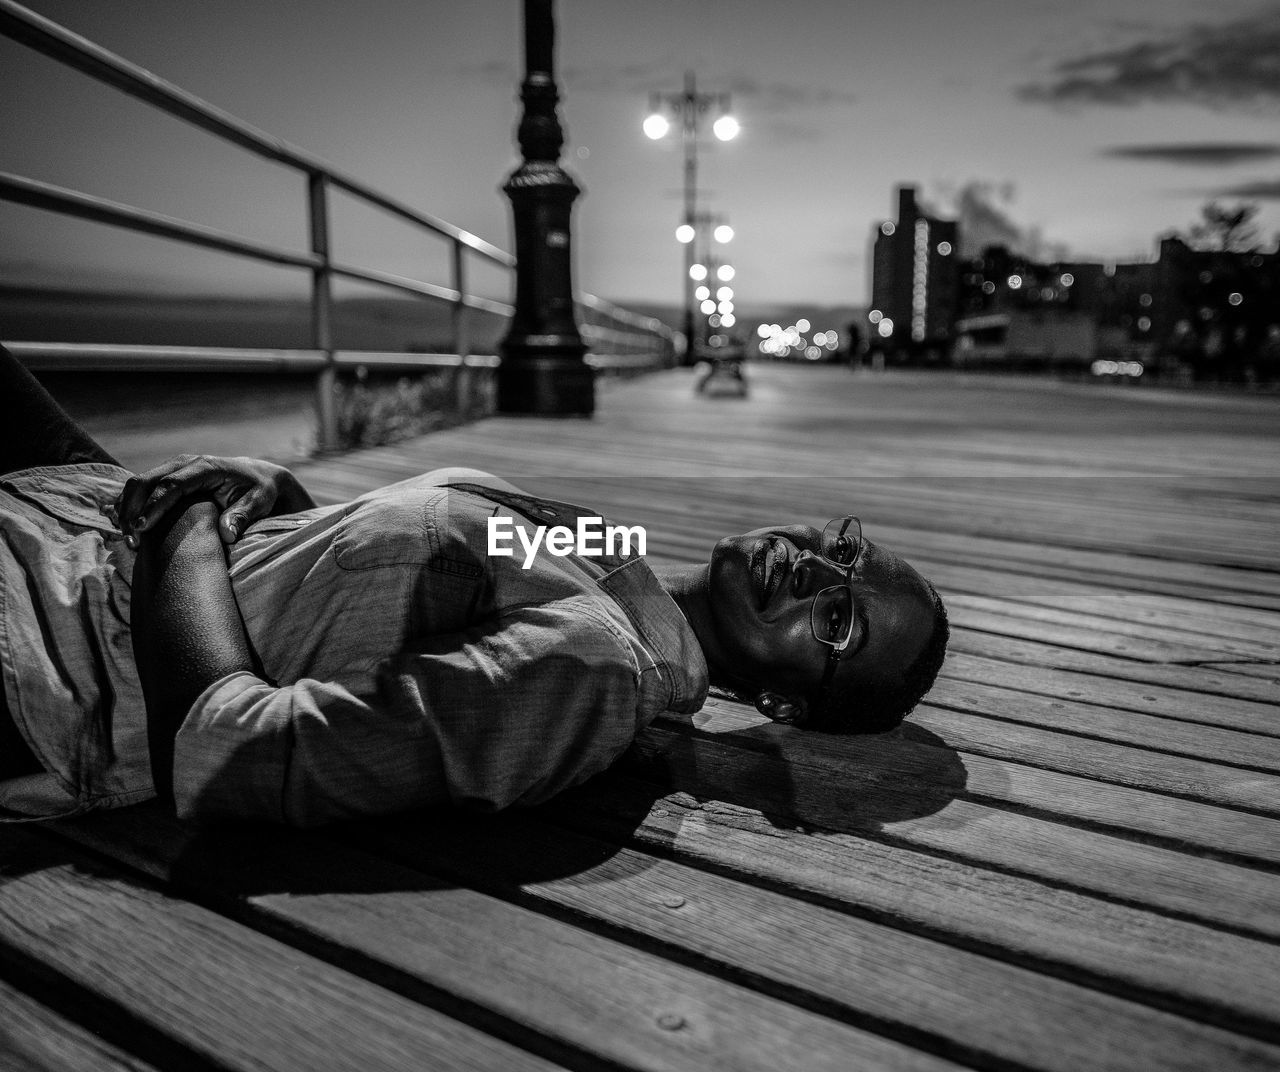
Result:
<point x="1068" y="859"/>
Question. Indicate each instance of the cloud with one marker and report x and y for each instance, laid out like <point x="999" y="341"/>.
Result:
<point x="1226" y="65"/>
<point x="1196" y="154"/>
<point x="660" y="76"/>
<point x="786" y="96"/>
<point x="981" y="209"/>
<point x="1262" y="190"/>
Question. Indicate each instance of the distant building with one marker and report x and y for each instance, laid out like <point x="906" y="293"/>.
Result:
<point x="1208" y="313"/>
<point x="1218" y="311"/>
<point x="913" y="284"/>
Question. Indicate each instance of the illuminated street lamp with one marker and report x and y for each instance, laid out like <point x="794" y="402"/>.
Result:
<point x="690" y="107"/>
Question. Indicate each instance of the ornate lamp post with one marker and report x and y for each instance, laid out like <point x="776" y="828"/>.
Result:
<point x="542" y="369"/>
<point x="689" y="107"/>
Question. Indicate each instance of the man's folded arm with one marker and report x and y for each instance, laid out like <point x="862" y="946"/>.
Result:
<point x="187" y="631"/>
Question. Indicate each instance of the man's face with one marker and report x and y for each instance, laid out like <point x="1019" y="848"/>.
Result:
<point x="762" y="587"/>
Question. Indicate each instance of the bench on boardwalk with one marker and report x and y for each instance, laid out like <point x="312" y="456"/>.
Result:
<point x="1069" y="857"/>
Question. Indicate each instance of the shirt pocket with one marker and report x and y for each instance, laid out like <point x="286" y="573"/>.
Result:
<point x="74" y="496"/>
<point x="386" y="533"/>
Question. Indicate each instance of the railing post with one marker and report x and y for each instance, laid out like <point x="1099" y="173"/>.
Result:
<point x="542" y="368"/>
<point x="322" y="310"/>
<point x="461" y="330"/>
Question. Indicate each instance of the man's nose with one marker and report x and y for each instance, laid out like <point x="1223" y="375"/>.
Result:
<point x="814" y="573"/>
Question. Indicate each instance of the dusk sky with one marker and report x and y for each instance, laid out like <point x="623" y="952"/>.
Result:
<point x="1081" y="130"/>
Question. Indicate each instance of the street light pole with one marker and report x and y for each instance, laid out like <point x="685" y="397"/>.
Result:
<point x="689" y="137"/>
<point x="542" y="368"/>
<point x="689" y="106"/>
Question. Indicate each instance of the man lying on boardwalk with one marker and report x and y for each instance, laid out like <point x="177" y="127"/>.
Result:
<point x="249" y="654"/>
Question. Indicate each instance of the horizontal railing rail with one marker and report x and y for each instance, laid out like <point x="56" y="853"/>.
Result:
<point x="624" y="340"/>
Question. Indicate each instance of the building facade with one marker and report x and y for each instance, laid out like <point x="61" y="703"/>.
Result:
<point x="913" y="285"/>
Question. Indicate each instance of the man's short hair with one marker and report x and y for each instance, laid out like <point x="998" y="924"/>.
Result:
<point x="858" y="708"/>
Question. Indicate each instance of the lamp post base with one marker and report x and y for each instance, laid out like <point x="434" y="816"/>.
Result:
<point x="547" y="386"/>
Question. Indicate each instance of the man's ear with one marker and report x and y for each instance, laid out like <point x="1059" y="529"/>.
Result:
<point x="780" y="708"/>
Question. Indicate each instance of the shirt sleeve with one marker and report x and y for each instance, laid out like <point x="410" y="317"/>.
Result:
<point x="507" y="713"/>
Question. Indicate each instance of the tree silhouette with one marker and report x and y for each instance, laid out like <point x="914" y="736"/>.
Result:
<point x="1225" y="228"/>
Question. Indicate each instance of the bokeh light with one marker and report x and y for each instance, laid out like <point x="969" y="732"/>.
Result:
<point x="726" y="128"/>
<point x="656" y="126"/>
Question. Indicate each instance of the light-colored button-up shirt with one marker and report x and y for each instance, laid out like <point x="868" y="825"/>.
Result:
<point x="403" y="666"/>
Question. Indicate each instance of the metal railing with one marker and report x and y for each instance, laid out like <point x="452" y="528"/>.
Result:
<point x="615" y="336"/>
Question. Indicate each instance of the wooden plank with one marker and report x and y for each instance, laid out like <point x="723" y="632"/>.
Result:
<point x="916" y="987"/>
<point x="1251" y="751"/>
<point x="928" y="763"/>
<point x="1116" y="948"/>
<point x="1081" y="636"/>
<point x="1197" y="707"/>
<point x="1199" y="617"/>
<point x="603" y="1003"/>
<point x="1268" y="672"/>
<point x="34" y="1038"/>
<point x="1198" y="646"/>
<point x="860" y="790"/>
<point x="1210" y="680"/>
<point x="231" y="997"/>
<point x="1104" y="761"/>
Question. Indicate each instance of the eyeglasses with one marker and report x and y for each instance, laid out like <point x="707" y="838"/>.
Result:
<point x="831" y="615"/>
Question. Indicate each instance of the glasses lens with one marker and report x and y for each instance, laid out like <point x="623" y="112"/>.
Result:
<point x="841" y="541"/>
<point x="831" y="616"/>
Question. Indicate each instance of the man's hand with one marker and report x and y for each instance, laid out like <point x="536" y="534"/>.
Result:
<point x="244" y="489"/>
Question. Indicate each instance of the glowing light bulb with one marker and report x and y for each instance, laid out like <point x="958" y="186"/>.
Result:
<point x="656" y="126"/>
<point x="726" y="128"/>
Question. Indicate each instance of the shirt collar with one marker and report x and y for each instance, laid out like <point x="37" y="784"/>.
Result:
<point x="664" y="630"/>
